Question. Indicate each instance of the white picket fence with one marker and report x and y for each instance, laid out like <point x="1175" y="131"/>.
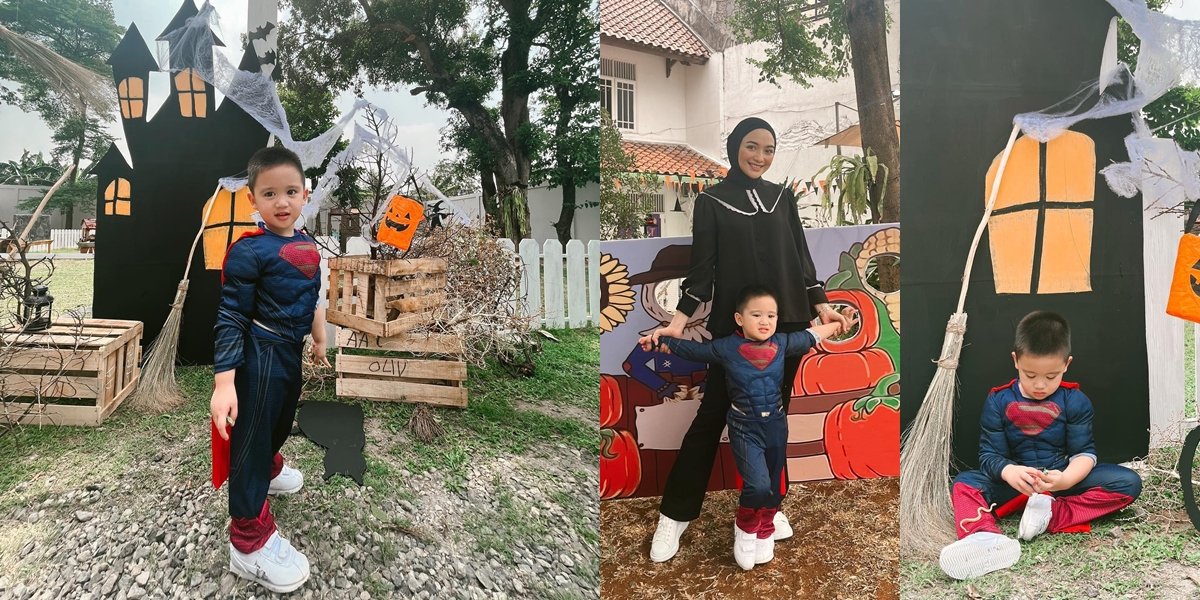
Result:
<point x="65" y="238"/>
<point x="561" y="289"/>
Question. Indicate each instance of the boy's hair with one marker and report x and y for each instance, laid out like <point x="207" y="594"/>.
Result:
<point x="1043" y="333"/>
<point x="271" y="156"/>
<point x="751" y="292"/>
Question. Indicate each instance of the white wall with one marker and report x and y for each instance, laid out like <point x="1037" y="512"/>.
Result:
<point x="545" y="205"/>
<point x="660" y="104"/>
<point x="705" y="104"/>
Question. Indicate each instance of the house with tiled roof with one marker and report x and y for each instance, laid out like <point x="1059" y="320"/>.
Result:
<point x="675" y="83"/>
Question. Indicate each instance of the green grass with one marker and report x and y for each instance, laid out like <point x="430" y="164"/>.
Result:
<point x="496" y="530"/>
<point x="1134" y="553"/>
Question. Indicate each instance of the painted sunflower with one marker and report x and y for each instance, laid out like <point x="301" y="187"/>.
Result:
<point x="616" y="295"/>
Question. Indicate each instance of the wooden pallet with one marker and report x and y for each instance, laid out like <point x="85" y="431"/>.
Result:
<point x="48" y="373"/>
<point x="384" y="297"/>
<point x="403" y="368"/>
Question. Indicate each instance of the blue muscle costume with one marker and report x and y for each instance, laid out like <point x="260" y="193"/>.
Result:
<point x="1044" y="434"/>
<point x="270" y="289"/>
<point x="756" y="418"/>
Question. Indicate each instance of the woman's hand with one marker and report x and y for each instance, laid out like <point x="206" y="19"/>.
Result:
<point x="649" y="342"/>
<point x="847" y="318"/>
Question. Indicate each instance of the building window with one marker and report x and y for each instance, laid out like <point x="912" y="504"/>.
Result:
<point x="131" y="92"/>
<point x="193" y="99"/>
<point x="617" y="87"/>
<point x="116" y="198"/>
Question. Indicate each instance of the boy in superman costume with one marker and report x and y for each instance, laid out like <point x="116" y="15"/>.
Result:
<point x="270" y="290"/>
<point x="1035" y="441"/>
<point x="753" y="359"/>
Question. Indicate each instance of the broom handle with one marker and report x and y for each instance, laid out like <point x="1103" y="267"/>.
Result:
<point x="199" y="234"/>
<point x="987" y="214"/>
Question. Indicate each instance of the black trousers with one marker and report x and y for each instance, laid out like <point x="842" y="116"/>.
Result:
<point x="684" y="492"/>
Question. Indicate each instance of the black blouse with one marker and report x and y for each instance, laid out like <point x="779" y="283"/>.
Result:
<point x="744" y="237"/>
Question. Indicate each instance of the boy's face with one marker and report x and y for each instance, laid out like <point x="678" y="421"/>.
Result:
<point x="278" y="195"/>
<point x="757" y="319"/>
<point x="1040" y="376"/>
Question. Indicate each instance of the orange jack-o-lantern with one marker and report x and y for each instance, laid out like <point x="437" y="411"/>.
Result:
<point x="400" y="222"/>
<point x="227" y="220"/>
<point x="1184" y="300"/>
<point x="1040" y="231"/>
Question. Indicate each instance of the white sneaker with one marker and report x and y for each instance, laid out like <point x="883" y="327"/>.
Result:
<point x="764" y="550"/>
<point x="1036" y="517"/>
<point x="666" y="538"/>
<point x="745" y="548"/>
<point x="783" y="529"/>
<point x="288" y="481"/>
<point x="276" y="566"/>
<point x="979" y="553"/>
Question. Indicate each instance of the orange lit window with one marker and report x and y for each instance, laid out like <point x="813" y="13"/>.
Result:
<point x="132" y="94"/>
<point x="193" y="99"/>
<point x="116" y="198"/>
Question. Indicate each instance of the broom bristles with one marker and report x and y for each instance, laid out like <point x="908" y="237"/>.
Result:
<point x="926" y="515"/>
<point x="424" y="425"/>
<point x="157" y="390"/>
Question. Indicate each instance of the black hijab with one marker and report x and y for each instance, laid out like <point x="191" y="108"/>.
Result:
<point x="734" y="142"/>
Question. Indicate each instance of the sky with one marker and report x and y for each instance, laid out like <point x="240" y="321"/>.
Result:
<point x="418" y="124"/>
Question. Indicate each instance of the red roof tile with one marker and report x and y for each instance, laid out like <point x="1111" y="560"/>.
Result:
<point x="650" y="23"/>
<point x="670" y="159"/>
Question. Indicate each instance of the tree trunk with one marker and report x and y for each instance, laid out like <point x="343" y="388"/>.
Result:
<point x="491" y="205"/>
<point x="866" y="21"/>
<point x="565" y="218"/>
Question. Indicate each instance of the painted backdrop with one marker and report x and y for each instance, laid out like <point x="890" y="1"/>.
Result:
<point x="843" y="418"/>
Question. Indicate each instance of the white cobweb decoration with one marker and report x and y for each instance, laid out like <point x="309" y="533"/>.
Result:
<point x="1169" y="56"/>
<point x="192" y="46"/>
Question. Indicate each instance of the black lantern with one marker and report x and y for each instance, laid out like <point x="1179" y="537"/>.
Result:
<point x="36" y="309"/>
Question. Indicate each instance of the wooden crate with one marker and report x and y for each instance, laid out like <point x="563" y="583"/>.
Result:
<point x="384" y="297"/>
<point x="98" y="359"/>
<point x="424" y="377"/>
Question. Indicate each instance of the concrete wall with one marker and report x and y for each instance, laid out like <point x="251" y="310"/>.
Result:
<point x="545" y="205"/>
<point x="660" y="109"/>
<point x="11" y="195"/>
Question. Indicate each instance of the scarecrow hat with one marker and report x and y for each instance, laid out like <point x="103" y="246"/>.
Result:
<point x="671" y="262"/>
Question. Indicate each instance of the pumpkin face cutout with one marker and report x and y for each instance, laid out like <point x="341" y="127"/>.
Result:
<point x="399" y="223"/>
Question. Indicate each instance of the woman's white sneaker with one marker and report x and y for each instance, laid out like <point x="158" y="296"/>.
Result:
<point x="1036" y="517"/>
<point x="783" y="529"/>
<point x="288" y="481"/>
<point x="979" y="553"/>
<point x="666" y="538"/>
<point x="276" y="566"/>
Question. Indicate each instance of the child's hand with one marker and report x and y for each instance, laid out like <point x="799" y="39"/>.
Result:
<point x="223" y="408"/>
<point x="647" y="342"/>
<point x="1021" y="478"/>
<point x="1049" y="481"/>
<point x="827" y="330"/>
<point x="318" y="353"/>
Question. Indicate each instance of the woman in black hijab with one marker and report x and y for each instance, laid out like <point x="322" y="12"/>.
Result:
<point x="745" y="231"/>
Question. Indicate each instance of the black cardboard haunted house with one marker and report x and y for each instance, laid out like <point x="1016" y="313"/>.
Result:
<point x="149" y="211"/>
<point x="1059" y="240"/>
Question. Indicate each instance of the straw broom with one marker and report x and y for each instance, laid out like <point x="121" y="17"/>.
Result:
<point x="157" y="390"/>
<point x="926" y="516"/>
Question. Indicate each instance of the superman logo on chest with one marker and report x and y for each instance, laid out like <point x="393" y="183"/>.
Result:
<point x="1032" y="418"/>
<point x="759" y="354"/>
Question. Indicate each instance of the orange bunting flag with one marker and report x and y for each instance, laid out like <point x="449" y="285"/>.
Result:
<point x="617" y="183"/>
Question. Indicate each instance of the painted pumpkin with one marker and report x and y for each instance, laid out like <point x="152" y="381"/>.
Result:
<point x="1184" y="299"/>
<point x="228" y="218"/>
<point x="851" y="364"/>
<point x="610" y="401"/>
<point x="861" y="436"/>
<point x="620" y="464"/>
<point x="1040" y="231"/>
<point x="399" y="222"/>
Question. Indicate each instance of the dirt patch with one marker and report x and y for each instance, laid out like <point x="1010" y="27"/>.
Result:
<point x="846" y="545"/>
